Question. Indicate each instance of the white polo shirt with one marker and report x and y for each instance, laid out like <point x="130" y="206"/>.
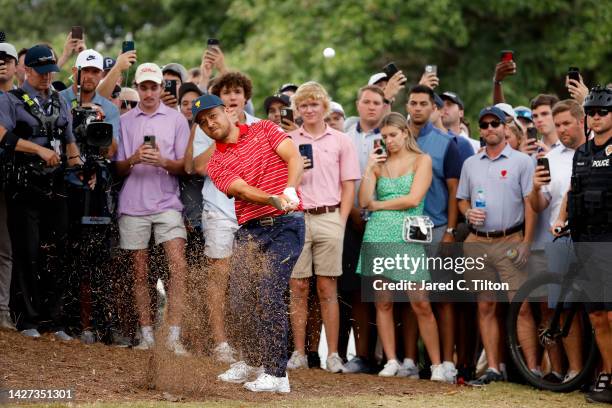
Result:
<point x="560" y="161"/>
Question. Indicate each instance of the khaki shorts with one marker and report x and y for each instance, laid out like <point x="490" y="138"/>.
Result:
<point x="498" y="267"/>
<point x="135" y="231"/>
<point x="219" y="232"/>
<point x="322" y="246"/>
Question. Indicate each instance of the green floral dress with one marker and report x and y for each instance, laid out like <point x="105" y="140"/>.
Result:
<point x="385" y="227"/>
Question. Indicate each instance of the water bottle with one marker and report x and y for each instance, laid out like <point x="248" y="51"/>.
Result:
<point x="480" y="202"/>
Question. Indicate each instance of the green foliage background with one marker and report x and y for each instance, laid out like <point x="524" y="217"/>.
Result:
<point x="282" y="41"/>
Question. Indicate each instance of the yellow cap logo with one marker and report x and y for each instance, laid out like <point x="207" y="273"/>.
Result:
<point x="197" y="104"/>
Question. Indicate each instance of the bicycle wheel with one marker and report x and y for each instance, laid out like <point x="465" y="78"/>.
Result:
<point x="536" y="290"/>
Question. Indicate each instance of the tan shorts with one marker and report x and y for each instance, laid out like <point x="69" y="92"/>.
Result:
<point x="219" y="232"/>
<point x="322" y="246"/>
<point x="498" y="267"/>
<point x="135" y="231"/>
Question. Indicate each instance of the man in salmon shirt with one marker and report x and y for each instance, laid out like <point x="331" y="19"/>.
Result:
<point x="261" y="167"/>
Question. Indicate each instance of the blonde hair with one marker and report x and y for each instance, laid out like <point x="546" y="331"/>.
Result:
<point x="399" y="121"/>
<point x="517" y="129"/>
<point x="311" y="90"/>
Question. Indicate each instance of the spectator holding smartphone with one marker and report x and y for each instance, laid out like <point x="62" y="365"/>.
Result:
<point x="328" y="192"/>
<point x="114" y="76"/>
<point x="149" y="199"/>
<point x="541" y="111"/>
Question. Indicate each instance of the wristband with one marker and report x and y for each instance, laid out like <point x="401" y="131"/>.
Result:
<point x="9" y="142"/>
<point x="291" y="194"/>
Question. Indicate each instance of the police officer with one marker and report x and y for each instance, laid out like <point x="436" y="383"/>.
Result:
<point x="35" y="119"/>
<point x="588" y="209"/>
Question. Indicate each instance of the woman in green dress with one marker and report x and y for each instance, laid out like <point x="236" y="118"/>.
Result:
<point x="400" y="178"/>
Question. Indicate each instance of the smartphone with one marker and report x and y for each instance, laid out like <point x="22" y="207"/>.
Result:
<point x="573" y="73"/>
<point x="532" y="133"/>
<point x="379" y="147"/>
<point x="483" y="143"/>
<point x="127" y="46"/>
<point x="543" y="161"/>
<point x="286" y="113"/>
<point x="390" y="69"/>
<point x="431" y="69"/>
<point x="170" y="86"/>
<point x="149" y="140"/>
<point x="213" y="43"/>
<point x="77" y="32"/>
<point x="506" y="55"/>
<point x="3" y="56"/>
<point x="306" y="151"/>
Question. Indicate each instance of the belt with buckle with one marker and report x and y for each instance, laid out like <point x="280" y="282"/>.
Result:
<point x="270" y="221"/>
<point x="323" y="209"/>
<point x="497" y="234"/>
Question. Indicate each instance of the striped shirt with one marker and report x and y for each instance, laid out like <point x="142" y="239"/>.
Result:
<point x="252" y="158"/>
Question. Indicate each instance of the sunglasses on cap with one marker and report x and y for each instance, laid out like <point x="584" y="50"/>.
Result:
<point x="600" y="111"/>
<point x="130" y="104"/>
<point x="494" y="124"/>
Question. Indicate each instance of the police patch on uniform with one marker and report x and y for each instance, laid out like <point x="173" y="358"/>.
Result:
<point x="608" y="150"/>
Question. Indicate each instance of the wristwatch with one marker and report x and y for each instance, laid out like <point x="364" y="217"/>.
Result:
<point x="451" y="231"/>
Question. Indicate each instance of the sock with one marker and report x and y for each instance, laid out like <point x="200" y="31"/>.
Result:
<point x="495" y="370"/>
<point x="147" y="334"/>
<point x="174" y="334"/>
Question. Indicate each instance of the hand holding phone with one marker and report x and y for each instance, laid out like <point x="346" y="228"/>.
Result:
<point x="573" y="73"/>
<point x="506" y="55"/>
<point x="431" y="69"/>
<point x="149" y="140"/>
<point x="379" y="147"/>
<point x="286" y="113"/>
<point x="77" y="32"/>
<point x="543" y="178"/>
<point x="306" y="152"/>
<point x="213" y="43"/>
<point x="127" y="46"/>
<point x="170" y="86"/>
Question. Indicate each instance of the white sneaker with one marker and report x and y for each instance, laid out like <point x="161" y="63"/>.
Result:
<point x="333" y="364"/>
<point x="570" y="376"/>
<point x="437" y="373"/>
<point x="269" y="383"/>
<point x="87" y="337"/>
<point x="297" y="360"/>
<point x="408" y="369"/>
<point x="31" y="333"/>
<point x="62" y="335"/>
<point x="144" y="344"/>
<point x="177" y="348"/>
<point x="391" y="369"/>
<point x="224" y="353"/>
<point x="450" y="372"/>
<point x="239" y="372"/>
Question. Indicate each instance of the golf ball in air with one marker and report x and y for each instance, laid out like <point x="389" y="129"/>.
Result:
<point x="329" y="52"/>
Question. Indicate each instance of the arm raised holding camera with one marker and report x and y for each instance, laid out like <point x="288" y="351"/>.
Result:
<point x="124" y="62"/>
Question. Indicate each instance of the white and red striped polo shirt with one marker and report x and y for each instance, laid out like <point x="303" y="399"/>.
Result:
<point x="252" y="158"/>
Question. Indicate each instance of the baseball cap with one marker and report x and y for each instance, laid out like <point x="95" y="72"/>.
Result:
<point x="380" y="76"/>
<point x="188" y="87"/>
<point x="129" y="94"/>
<point x="109" y="63"/>
<point x="493" y="110"/>
<point x="41" y="58"/>
<point x="336" y="107"/>
<point x="177" y="69"/>
<point x="205" y="102"/>
<point x="90" y="58"/>
<point x="507" y="109"/>
<point x="438" y="101"/>
<point x="288" y="87"/>
<point x="282" y="98"/>
<point x="523" y="112"/>
<point x="9" y="49"/>
<point x="149" y="72"/>
<point x="453" y="97"/>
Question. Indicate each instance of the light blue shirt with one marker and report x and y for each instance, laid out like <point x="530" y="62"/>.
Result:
<point x="364" y="144"/>
<point x="111" y="113"/>
<point x="506" y="181"/>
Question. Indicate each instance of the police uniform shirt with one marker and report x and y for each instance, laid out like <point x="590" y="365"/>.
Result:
<point x="505" y="181"/>
<point x="12" y="110"/>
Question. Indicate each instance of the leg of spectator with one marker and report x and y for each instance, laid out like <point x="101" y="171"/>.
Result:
<point x="216" y="290"/>
<point x="6" y="262"/>
<point x="489" y="331"/>
<point x="386" y="325"/>
<point x="140" y="259"/>
<point x="177" y="264"/>
<point x="526" y="333"/>
<point x="330" y="312"/>
<point x="446" y="321"/>
<point x="428" y="327"/>
<point x="572" y="343"/>
<point x="299" y="312"/>
<point x="603" y="335"/>
<point x="313" y="323"/>
<point x="410" y="332"/>
<point x="361" y="326"/>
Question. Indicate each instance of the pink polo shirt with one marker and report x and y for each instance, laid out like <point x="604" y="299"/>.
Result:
<point x="148" y="189"/>
<point x="334" y="161"/>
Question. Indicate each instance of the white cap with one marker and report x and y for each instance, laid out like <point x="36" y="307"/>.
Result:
<point x="129" y="94"/>
<point x="9" y="49"/>
<point x="336" y="107"/>
<point x="149" y="72"/>
<point x="507" y="109"/>
<point x="377" y="77"/>
<point x="90" y="58"/>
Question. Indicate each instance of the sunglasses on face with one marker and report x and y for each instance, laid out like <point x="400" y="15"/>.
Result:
<point x="128" y="104"/>
<point x="494" y="124"/>
<point x="600" y="111"/>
